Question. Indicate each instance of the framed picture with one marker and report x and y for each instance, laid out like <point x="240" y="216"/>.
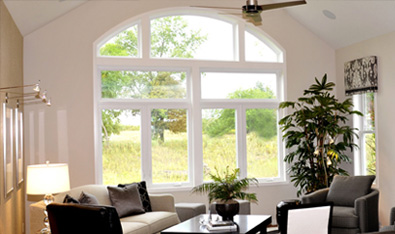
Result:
<point x="8" y="150"/>
<point x="18" y="130"/>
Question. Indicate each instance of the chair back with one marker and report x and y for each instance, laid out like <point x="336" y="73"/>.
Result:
<point x="309" y="219"/>
<point x="83" y="219"/>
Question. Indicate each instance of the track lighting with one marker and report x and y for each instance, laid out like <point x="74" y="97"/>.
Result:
<point x="36" y="88"/>
<point x="26" y="97"/>
<point x="43" y="95"/>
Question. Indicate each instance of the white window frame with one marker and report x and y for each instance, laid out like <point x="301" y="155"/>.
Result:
<point x="359" y="153"/>
<point x="193" y="103"/>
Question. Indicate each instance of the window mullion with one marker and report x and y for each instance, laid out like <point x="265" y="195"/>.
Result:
<point x="146" y="153"/>
<point x="239" y="30"/>
<point x="145" y="37"/>
<point x="241" y="142"/>
<point x="197" y="141"/>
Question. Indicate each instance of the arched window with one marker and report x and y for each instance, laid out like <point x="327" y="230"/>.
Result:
<point x="180" y="95"/>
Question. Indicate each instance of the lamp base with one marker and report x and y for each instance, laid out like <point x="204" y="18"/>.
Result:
<point x="44" y="231"/>
<point x="48" y="199"/>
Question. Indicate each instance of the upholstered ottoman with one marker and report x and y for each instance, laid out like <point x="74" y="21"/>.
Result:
<point x="186" y="211"/>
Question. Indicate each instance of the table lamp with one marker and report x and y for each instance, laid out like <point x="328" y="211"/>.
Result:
<point x="47" y="179"/>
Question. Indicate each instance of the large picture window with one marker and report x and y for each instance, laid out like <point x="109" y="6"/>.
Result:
<point x="186" y="99"/>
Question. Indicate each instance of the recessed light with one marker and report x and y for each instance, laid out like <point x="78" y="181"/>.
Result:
<point x="329" y="14"/>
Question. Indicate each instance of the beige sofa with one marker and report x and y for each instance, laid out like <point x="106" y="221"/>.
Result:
<point x="163" y="213"/>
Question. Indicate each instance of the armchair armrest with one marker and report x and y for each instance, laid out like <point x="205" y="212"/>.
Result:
<point x="367" y="209"/>
<point x="162" y="202"/>
<point x="392" y="216"/>
<point x="37" y="216"/>
<point x="318" y="196"/>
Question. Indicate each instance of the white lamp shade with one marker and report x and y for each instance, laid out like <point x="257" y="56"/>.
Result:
<point x="47" y="179"/>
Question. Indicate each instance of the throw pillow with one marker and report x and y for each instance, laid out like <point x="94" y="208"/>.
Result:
<point x="126" y="200"/>
<point x="143" y="194"/>
<point x="87" y="198"/>
<point x="344" y="190"/>
<point x="70" y="199"/>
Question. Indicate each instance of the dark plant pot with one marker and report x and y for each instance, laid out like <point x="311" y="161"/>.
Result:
<point x="227" y="210"/>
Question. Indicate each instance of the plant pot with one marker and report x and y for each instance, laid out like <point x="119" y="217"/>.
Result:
<point x="227" y="210"/>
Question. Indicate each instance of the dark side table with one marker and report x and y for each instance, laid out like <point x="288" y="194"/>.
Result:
<point x="281" y="214"/>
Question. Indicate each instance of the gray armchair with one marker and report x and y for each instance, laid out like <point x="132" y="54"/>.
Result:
<point x="355" y="207"/>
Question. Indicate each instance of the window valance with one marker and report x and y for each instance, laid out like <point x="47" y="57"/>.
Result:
<point x="360" y="75"/>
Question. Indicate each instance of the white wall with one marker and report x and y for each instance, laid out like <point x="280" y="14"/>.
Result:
<point x="384" y="48"/>
<point x="12" y="213"/>
<point x="60" y="54"/>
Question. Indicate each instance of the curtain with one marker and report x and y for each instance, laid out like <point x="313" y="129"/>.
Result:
<point x="360" y="75"/>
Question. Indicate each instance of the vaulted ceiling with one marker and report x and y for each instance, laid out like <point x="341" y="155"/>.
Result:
<point x="339" y="22"/>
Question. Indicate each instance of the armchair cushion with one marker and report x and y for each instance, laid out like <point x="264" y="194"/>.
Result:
<point x="344" y="190"/>
<point x="344" y="217"/>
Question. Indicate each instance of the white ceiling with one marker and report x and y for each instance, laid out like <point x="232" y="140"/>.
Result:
<point x="356" y="20"/>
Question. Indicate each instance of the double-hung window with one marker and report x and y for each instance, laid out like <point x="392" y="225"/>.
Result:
<point x="177" y="98"/>
<point x="365" y="155"/>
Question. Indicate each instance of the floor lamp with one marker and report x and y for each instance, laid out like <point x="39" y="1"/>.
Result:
<point x="47" y="179"/>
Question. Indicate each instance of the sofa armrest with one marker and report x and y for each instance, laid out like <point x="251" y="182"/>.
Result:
<point x="367" y="209"/>
<point x="318" y="196"/>
<point x="37" y="216"/>
<point x="162" y="202"/>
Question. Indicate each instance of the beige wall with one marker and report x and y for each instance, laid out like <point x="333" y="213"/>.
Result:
<point x="384" y="48"/>
<point x="12" y="213"/>
<point x="60" y="54"/>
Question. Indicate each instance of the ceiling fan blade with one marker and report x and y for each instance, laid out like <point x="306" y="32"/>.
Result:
<point x="281" y="5"/>
<point x="230" y="14"/>
<point x="225" y="8"/>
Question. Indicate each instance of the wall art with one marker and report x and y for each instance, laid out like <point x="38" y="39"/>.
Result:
<point x="8" y="150"/>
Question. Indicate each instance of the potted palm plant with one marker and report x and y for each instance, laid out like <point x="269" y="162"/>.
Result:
<point x="317" y="136"/>
<point x="224" y="189"/>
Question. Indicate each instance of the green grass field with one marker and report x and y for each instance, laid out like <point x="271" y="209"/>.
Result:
<point x="122" y="157"/>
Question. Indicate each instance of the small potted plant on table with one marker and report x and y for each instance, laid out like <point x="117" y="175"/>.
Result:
<point x="224" y="189"/>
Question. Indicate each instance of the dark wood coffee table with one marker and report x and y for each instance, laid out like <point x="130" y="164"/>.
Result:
<point x="248" y="224"/>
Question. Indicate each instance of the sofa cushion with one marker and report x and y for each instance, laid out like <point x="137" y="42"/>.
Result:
<point x="157" y="220"/>
<point x="134" y="228"/>
<point x="143" y="194"/>
<point x="344" y="190"/>
<point x="126" y="200"/>
<point x="344" y="217"/>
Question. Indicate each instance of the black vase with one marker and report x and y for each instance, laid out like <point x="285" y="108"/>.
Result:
<point x="227" y="210"/>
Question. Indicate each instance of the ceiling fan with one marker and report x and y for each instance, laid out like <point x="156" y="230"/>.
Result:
<point x="252" y="11"/>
